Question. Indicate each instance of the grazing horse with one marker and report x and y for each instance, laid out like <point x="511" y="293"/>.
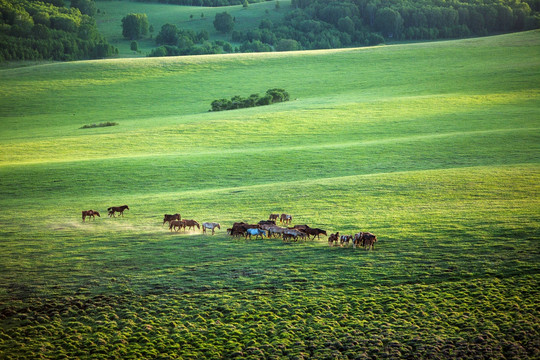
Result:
<point x="256" y="232"/>
<point x="273" y="217"/>
<point x="90" y="213"/>
<point x="285" y="218"/>
<point x="177" y="224"/>
<point x="333" y="238"/>
<point x="119" y="209"/>
<point x="191" y="224"/>
<point x="168" y="218"/>
<point x="211" y="226"/>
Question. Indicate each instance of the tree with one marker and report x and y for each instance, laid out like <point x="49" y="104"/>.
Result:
<point x="134" y="46"/>
<point x="389" y="22"/>
<point x="287" y="45"/>
<point x="134" y="26"/>
<point x="245" y="4"/>
<point x="168" y="35"/>
<point x="223" y="22"/>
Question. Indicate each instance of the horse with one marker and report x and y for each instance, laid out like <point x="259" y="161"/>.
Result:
<point x="168" y="218"/>
<point x="273" y="217"/>
<point x="119" y="209"/>
<point x="292" y="233"/>
<point x="285" y="218"/>
<point x="369" y="241"/>
<point x="333" y="238"/>
<point x="274" y="229"/>
<point x="345" y="239"/>
<point x="256" y="232"/>
<point x="176" y="224"/>
<point x="315" y="232"/>
<point x="90" y="213"/>
<point x="191" y="224"/>
<point x="211" y="226"/>
<point x="358" y="239"/>
<point x="365" y="239"/>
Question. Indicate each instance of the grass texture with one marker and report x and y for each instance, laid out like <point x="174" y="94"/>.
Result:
<point x="433" y="147"/>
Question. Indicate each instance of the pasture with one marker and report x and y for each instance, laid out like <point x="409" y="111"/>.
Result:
<point x="432" y="147"/>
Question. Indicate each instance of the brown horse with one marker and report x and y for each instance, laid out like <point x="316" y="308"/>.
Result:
<point x="168" y="218"/>
<point x="364" y="239"/>
<point x="273" y="217"/>
<point x="118" y="209"/>
<point x="90" y="213"/>
<point x="333" y="238"/>
<point x="369" y="241"/>
<point x="191" y="224"/>
<point x="176" y="224"/>
<point x="315" y="232"/>
<point x="285" y="218"/>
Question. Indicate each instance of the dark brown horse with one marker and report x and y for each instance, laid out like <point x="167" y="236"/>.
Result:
<point x="168" y="218"/>
<point x="315" y="232"/>
<point x="117" y="209"/>
<point x="90" y="213"/>
<point x="273" y="217"/>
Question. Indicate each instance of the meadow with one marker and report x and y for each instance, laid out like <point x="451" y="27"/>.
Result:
<point x="433" y="147"/>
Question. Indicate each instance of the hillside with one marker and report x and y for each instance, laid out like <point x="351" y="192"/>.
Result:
<point x="433" y="147"/>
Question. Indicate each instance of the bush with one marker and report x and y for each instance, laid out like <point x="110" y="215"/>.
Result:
<point x="108" y="123"/>
<point x="237" y="102"/>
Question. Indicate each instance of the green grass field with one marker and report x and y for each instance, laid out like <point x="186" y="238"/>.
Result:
<point x="433" y="147"/>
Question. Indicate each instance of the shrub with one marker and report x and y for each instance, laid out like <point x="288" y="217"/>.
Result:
<point x="237" y="102"/>
<point x="108" y="123"/>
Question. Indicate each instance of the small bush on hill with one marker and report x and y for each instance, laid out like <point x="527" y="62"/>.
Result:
<point x="108" y="123"/>
<point x="237" y="102"/>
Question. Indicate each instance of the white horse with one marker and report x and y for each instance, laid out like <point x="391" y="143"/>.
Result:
<point x="211" y="226"/>
<point x="256" y="232"/>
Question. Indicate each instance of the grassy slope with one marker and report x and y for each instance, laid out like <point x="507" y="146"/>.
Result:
<point x="109" y="20"/>
<point x="433" y="147"/>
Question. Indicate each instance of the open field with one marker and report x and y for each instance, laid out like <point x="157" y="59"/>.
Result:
<point x="433" y="147"/>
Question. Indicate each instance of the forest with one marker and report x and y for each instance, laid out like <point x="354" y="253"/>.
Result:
<point x="35" y="30"/>
<point x="319" y="24"/>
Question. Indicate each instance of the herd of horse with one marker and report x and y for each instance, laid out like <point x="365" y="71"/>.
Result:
<point x="268" y="228"/>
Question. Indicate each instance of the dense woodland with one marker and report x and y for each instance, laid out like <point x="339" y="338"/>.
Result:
<point x="35" y="30"/>
<point x="319" y="24"/>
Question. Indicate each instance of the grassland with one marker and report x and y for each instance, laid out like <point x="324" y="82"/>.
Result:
<point x="433" y="147"/>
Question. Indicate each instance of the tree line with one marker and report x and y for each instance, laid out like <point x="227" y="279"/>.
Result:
<point x="205" y="3"/>
<point x="319" y="24"/>
<point x="48" y="30"/>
